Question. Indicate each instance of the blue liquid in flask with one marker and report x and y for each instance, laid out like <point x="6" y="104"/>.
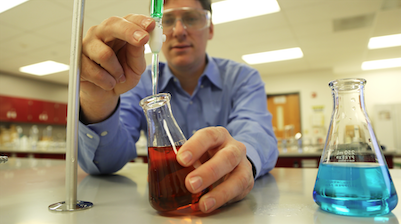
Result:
<point x="362" y="189"/>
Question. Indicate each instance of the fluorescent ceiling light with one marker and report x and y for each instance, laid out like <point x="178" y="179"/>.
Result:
<point x="44" y="68"/>
<point x="231" y="10"/>
<point x="385" y="41"/>
<point x="8" y="4"/>
<point x="380" y="64"/>
<point x="271" y="56"/>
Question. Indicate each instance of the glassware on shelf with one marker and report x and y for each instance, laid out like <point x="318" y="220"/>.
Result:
<point x="3" y="159"/>
<point x="353" y="177"/>
<point x="166" y="177"/>
<point x="47" y="133"/>
<point x="34" y="136"/>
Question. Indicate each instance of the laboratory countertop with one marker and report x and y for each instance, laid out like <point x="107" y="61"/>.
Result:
<point x="142" y="151"/>
<point x="28" y="186"/>
<point x="312" y="153"/>
<point x="49" y="150"/>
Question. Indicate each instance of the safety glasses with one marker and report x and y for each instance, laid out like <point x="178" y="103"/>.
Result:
<point x="191" y="19"/>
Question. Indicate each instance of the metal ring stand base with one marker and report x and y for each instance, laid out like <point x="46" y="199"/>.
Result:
<point x="62" y="206"/>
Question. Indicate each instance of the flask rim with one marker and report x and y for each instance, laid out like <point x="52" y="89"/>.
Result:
<point x="155" y="101"/>
<point x="347" y="84"/>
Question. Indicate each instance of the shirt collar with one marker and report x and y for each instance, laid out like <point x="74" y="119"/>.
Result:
<point x="211" y="71"/>
<point x="166" y="76"/>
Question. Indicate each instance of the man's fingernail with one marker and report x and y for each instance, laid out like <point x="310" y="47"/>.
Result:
<point x="139" y="35"/>
<point x="185" y="157"/>
<point x="209" y="203"/>
<point x="122" y="79"/>
<point x="195" y="183"/>
<point x="146" y="22"/>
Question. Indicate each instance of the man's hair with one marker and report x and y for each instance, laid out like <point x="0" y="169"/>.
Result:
<point x="206" y="4"/>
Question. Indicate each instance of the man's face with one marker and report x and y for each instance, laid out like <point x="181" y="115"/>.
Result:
<point x="184" y="48"/>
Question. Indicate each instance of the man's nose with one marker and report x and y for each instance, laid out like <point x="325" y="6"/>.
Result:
<point x="179" y="27"/>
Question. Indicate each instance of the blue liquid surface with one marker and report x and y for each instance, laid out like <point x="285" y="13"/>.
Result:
<point x="355" y="189"/>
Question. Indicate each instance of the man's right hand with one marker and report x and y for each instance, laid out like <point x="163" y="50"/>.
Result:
<point x="112" y="63"/>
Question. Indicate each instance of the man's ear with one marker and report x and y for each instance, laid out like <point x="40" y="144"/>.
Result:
<point x="211" y="31"/>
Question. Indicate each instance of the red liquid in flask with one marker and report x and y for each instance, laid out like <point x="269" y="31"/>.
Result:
<point x="167" y="191"/>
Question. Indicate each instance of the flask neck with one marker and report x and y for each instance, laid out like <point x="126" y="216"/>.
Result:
<point x="349" y="119"/>
<point x="348" y="94"/>
<point x="163" y="129"/>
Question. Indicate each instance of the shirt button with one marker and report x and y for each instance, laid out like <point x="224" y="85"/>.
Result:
<point x="201" y="86"/>
<point x="104" y="133"/>
<point x="190" y="102"/>
<point x="193" y="131"/>
<point x="89" y="135"/>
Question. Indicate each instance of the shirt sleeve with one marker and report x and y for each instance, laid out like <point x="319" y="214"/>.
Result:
<point x="107" y="146"/>
<point x="250" y="121"/>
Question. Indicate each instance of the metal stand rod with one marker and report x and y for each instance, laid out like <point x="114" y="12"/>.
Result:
<point x="71" y="203"/>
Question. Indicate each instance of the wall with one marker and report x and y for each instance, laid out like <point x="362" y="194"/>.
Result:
<point x="383" y="87"/>
<point x="305" y="84"/>
<point x="31" y="88"/>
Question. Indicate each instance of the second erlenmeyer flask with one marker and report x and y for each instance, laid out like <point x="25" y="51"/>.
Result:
<point x="353" y="177"/>
<point x="166" y="177"/>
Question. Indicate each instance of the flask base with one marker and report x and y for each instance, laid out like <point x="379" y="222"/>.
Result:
<point x="361" y="208"/>
<point x="355" y="189"/>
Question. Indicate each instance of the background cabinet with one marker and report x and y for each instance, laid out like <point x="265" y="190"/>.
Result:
<point x="14" y="109"/>
<point x="60" y="113"/>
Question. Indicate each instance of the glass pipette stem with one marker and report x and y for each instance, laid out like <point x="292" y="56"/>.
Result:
<point x="156" y="12"/>
<point x="155" y="72"/>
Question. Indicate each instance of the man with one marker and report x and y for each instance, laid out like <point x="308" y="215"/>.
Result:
<point x="222" y="100"/>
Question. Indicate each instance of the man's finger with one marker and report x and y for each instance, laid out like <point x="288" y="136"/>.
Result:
<point x="105" y="57"/>
<point x="95" y="74"/>
<point x="222" y="163"/>
<point x="202" y="141"/>
<point x="234" y="188"/>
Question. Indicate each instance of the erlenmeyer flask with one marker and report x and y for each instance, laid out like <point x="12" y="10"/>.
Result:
<point x="166" y="177"/>
<point x="353" y="177"/>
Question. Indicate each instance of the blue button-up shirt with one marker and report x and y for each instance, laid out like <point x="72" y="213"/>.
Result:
<point x="228" y="94"/>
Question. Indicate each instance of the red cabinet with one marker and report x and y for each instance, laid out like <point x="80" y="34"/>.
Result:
<point x="60" y="113"/>
<point x="13" y="109"/>
<point x="41" y="111"/>
<point x="32" y="111"/>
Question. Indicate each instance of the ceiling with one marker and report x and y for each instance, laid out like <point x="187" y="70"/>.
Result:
<point x="333" y="34"/>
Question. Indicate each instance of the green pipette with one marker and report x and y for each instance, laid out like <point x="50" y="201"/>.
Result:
<point x="156" y="9"/>
<point x="156" y="40"/>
